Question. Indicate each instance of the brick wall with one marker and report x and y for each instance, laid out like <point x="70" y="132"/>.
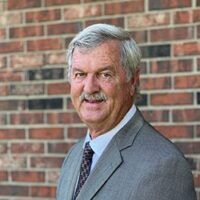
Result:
<point x="37" y="121"/>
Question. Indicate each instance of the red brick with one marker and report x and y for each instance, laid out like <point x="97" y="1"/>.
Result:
<point x="124" y="7"/>
<point x="43" y="15"/>
<point x="46" y="162"/>
<point x="198" y="64"/>
<point x="82" y="11"/>
<point x="198" y="31"/>
<point x="44" y="44"/>
<point x="198" y="131"/>
<point x="2" y="6"/>
<point x="28" y="31"/>
<point x="46" y="133"/>
<point x="63" y="118"/>
<point x="9" y="134"/>
<point x="64" y="28"/>
<point x="76" y="133"/>
<point x="58" y="88"/>
<point x="114" y="21"/>
<point x="139" y="36"/>
<point x="9" y="76"/>
<point x="172" y="99"/>
<point x="175" y="131"/>
<point x="87" y="1"/>
<point x="27" y="61"/>
<point x="53" y="176"/>
<point x="6" y="105"/>
<point x="56" y="58"/>
<point x="189" y="147"/>
<point x="186" y="115"/>
<point x="3" y="175"/>
<point x="143" y="67"/>
<point x="43" y="191"/>
<point x="10" y="47"/>
<point x="3" y="150"/>
<point x="60" y="2"/>
<point x="168" y="34"/>
<point x="24" y="148"/>
<point x="183" y="49"/>
<point x="3" y="90"/>
<point x="13" y="162"/>
<point x="3" y="119"/>
<point x="2" y="62"/>
<point x="26" y="89"/>
<point x="148" y="20"/>
<point x="153" y="83"/>
<point x="27" y="118"/>
<point x="197" y="180"/>
<point x="61" y="147"/>
<point x="156" y="115"/>
<point x="169" y="66"/>
<point x="22" y="4"/>
<point x="182" y="17"/>
<point x="192" y="81"/>
<point x="28" y="176"/>
<point x="196" y="15"/>
<point x="2" y="34"/>
<point x="14" y="190"/>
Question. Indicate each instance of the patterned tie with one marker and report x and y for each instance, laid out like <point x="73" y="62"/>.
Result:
<point x="85" y="168"/>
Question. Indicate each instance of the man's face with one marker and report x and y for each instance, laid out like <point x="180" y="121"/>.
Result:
<point x="95" y="71"/>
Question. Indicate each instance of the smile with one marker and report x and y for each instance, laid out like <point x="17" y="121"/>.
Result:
<point x="94" y="100"/>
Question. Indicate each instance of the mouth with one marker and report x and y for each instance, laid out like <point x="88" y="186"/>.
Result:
<point x="93" y="101"/>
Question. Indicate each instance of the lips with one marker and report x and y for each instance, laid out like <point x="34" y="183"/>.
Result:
<point x="94" y="101"/>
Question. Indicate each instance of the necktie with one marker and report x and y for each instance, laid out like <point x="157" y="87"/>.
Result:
<point x="85" y="167"/>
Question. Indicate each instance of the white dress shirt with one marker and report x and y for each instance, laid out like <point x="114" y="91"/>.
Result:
<point x="99" y="143"/>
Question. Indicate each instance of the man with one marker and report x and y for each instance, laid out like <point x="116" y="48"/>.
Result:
<point x="130" y="160"/>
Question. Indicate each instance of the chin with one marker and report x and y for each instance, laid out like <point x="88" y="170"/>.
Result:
<point x="91" y="120"/>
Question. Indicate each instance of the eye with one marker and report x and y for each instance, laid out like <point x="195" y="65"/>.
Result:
<point x="79" y="75"/>
<point x="105" y="75"/>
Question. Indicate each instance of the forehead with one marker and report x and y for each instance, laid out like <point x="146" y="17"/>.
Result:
<point x="108" y="53"/>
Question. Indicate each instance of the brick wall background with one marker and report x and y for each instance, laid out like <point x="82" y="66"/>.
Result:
<point x="37" y="121"/>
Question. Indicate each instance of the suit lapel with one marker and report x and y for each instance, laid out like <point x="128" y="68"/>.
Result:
<point x="111" y="159"/>
<point x="101" y="173"/>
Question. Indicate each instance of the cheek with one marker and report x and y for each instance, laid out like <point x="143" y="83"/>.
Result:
<point x="75" y="93"/>
<point x="110" y="89"/>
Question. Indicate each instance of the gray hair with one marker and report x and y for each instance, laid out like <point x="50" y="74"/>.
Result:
<point x="97" y="34"/>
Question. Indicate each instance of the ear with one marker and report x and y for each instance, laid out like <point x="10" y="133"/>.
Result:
<point x="135" y="81"/>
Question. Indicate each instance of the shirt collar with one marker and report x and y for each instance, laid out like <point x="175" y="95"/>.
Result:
<point x="100" y="143"/>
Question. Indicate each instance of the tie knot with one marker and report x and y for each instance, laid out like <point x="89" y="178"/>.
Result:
<point x="88" y="152"/>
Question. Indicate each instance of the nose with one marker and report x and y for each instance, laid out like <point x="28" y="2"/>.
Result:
<point x="91" y="84"/>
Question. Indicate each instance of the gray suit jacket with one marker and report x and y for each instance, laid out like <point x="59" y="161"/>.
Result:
<point x="138" y="164"/>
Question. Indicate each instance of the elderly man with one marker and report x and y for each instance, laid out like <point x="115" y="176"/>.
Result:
<point x="122" y="157"/>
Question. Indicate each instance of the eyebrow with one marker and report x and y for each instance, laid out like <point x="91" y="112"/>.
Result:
<point x="76" y="69"/>
<point x="99" y="70"/>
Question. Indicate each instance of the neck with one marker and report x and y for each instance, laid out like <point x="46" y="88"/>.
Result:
<point x="97" y="130"/>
